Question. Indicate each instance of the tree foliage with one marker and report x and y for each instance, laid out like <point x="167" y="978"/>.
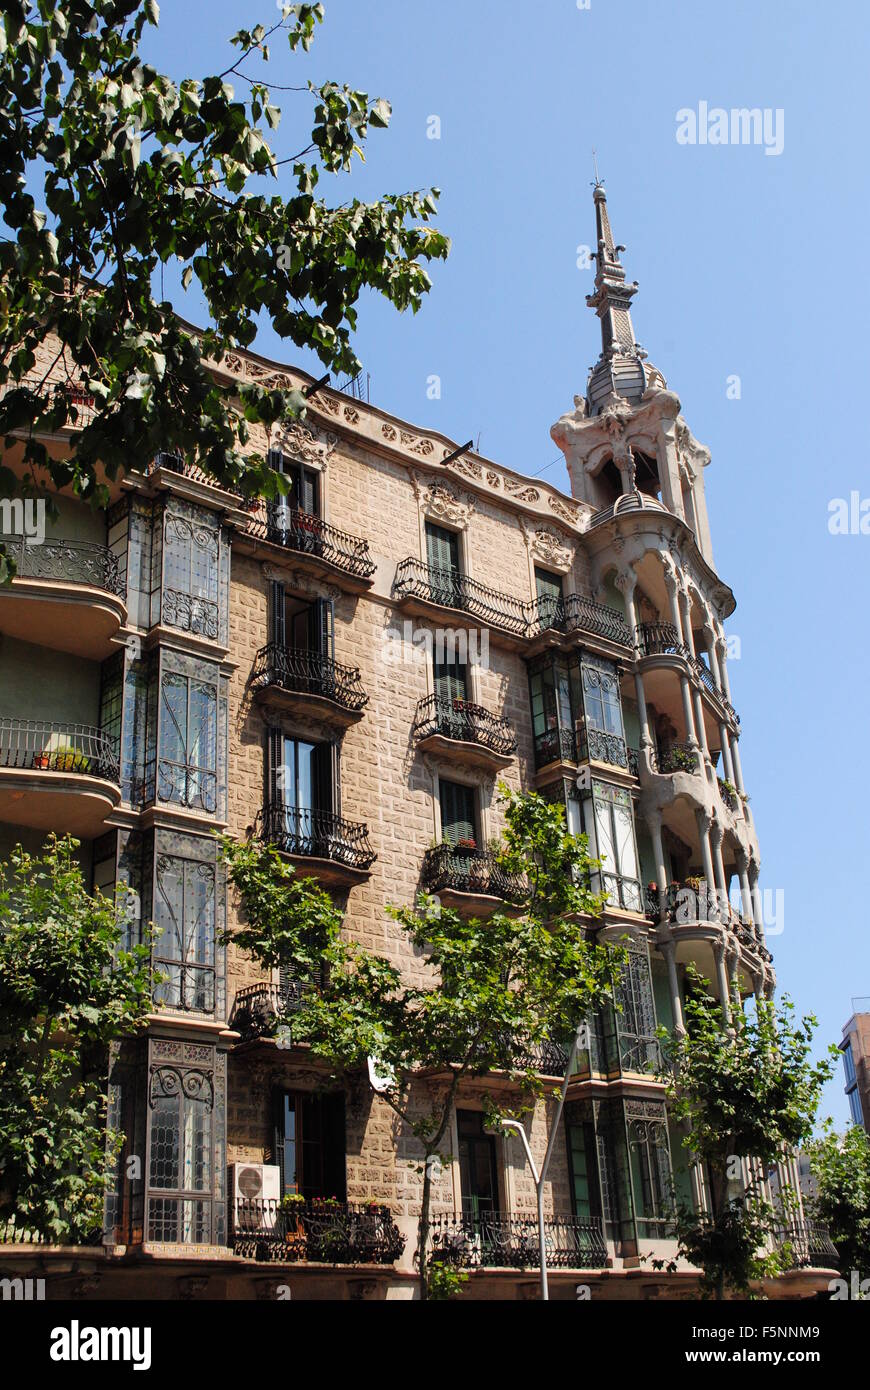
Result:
<point x="136" y="171"/>
<point x="748" y="1089"/>
<point x="840" y="1164"/>
<point x="484" y="992"/>
<point x="66" y="991"/>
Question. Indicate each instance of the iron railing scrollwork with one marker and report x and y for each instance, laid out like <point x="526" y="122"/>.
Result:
<point x="466" y="722"/>
<point x="465" y="869"/>
<point x="201" y="616"/>
<point x="57" y="747"/>
<point x="680" y="757"/>
<point x="623" y="892"/>
<point x="805" y="1244"/>
<point x="323" y="1231"/>
<point x="309" y="673"/>
<point x="499" y="1240"/>
<point x="256" y="1007"/>
<point x="555" y="745"/>
<point x="449" y="588"/>
<point x="577" y="613"/>
<point x="69" y="562"/>
<point x="318" y="834"/>
<point x="306" y="534"/>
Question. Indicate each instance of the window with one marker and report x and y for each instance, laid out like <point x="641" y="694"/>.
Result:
<point x="186" y="1146"/>
<point x="442" y="556"/>
<point x="849" y="1064"/>
<point x="855" y="1109"/>
<point x="478" y="1174"/>
<point x="649" y="1166"/>
<point x="185" y="911"/>
<point x="585" y="1191"/>
<point x="309" y="1145"/>
<point x="194" y="564"/>
<point x="555" y="699"/>
<point x="458" y="814"/>
<point x="636" y="1015"/>
<point x="601" y="700"/>
<point x="304" y="490"/>
<point x="612" y="832"/>
<point x="301" y="626"/>
<point x="187" y="766"/>
<point x="548" y="591"/>
<point x="305" y="794"/>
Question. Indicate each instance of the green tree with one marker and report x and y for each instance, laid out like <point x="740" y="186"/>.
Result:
<point x="136" y="172"/>
<point x="66" y="991"/>
<point x="745" y="1089"/>
<point x="840" y="1163"/>
<point x="493" y="989"/>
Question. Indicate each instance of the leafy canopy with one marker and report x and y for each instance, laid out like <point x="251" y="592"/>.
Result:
<point x="840" y="1165"/>
<point x="137" y="171"/>
<point x="67" y="990"/>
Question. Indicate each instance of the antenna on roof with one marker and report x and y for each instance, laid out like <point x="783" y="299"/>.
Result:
<point x="595" y="170"/>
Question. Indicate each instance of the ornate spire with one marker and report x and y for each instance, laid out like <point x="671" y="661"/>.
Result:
<point x="612" y="297"/>
<point x="621" y="371"/>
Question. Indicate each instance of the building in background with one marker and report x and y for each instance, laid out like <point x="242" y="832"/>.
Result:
<point x="347" y="672"/>
<point x="855" y="1048"/>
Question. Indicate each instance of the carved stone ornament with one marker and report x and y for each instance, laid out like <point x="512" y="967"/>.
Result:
<point x="548" y="547"/>
<point x="307" y="445"/>
<point x="441" y="501"/>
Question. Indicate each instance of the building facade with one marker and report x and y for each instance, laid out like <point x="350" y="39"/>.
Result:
<point x="348" y="673"/>
<point x="855" y="1048"/>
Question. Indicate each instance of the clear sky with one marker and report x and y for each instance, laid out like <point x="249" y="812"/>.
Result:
<point x="748" y="263"/>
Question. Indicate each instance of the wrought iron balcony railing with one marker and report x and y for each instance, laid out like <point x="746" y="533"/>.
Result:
<point x="308" y="673"/>
<point x="498" y="1240"/>
<point x="449" y="589"/>
<point x="325" y="1231"/>
<point x="310" y="535"/>
<point x="555" y="745"/>
<point x="318" y="834"/>
<point x="465" y="722"/>
<point x="680" y="757"/>
<point x="255" y="1007"/>
<point x="56" y="747"/>
<point x="660" y="639"/>
<point x="728" y="795"/>
<point x="603" y="747"/>
<point x="466" y="869"/>
<point x="68" y="562"/>
<point x="807" y="1243"/>
<point x="577" y="613"/>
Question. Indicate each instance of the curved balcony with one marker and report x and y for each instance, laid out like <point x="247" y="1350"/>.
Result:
<point x="425" y="588"/>
<point x="257" y="1007"/>
<point x="322" y="1230"/>
<point x="500" y="1240"/>
<point x="729" y="794"/>
<point x="469" y="879"/>
<point x="322" y="845"/>
<point x="680" y="757"/>
<point x="54" y="776"/>
<point x="458" y="728"/>
<point x="317" y="547"/>
<point x="304" y="682"/>
<point x="67" y="595"/>
<point x="662" y="640"/>
<point x="806" y="1245"/>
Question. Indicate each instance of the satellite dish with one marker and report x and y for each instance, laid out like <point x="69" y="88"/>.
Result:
<point x="381" y="1075"/>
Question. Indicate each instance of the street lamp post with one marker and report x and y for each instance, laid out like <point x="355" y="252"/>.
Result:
<point x="541" y="1178"/>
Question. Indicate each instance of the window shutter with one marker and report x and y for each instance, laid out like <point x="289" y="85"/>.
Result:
<point x="275" y="764"/>
<point x="310" y="492"/>
<point x="278" y="1133"/>
<point x="279" y="631"/>
<point x="458" y="820"/>
<point x="327" y="778"/>
<point x="277" y="508"/>
<point x="334" y="1147"/>
<point x="322" y="614"/>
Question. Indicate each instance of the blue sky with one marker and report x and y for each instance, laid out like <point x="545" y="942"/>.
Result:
<point x="748" y="264"/>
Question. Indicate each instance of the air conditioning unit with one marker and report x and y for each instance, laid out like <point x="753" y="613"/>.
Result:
<point x="256" y="1189"/>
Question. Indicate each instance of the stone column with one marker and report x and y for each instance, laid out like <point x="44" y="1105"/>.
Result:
<point x="722" y="980"/>
<point x="704" y="821"/>
<point x="722" y="648"/>
<point x="626" y="582"/>
<point x="668" y="950"/>
<point x="654" y="825"/>
<point x="719" y="868"/>
<point x="745" y="891"/>
<point x="755" y="894"/>
<point x="727" y="764"/>
<point x="673" y="588"/>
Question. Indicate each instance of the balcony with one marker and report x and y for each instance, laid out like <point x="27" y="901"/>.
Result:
<point x="662" y="639"/>
<point x="316" y="547"/>
<point x="257" y="1007"/>
<point x="623" y="894"/>
<point x="61" y="777"/>
<point x="469" y="879"/>
<point x="304" y="682"/>
<point x="323" y="845"/>
<point x="578" y="614"/>
<point x="680" y="757"/>
<point x="423" y="588"/>
<point x="806" y="1245"/>
<point x="67" y="595"/>
<point x="459" y="728"/>
<point x="730" y="796"/>
<point x="322" y="1231"/>
<point x="494" y="1240"/>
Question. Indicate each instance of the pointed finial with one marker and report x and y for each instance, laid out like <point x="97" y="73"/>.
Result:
<point x="598" y="182"/>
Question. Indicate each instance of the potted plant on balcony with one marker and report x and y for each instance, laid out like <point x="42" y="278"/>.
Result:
<point x="295" y="1238"/>
<point x="69" y="759"/>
